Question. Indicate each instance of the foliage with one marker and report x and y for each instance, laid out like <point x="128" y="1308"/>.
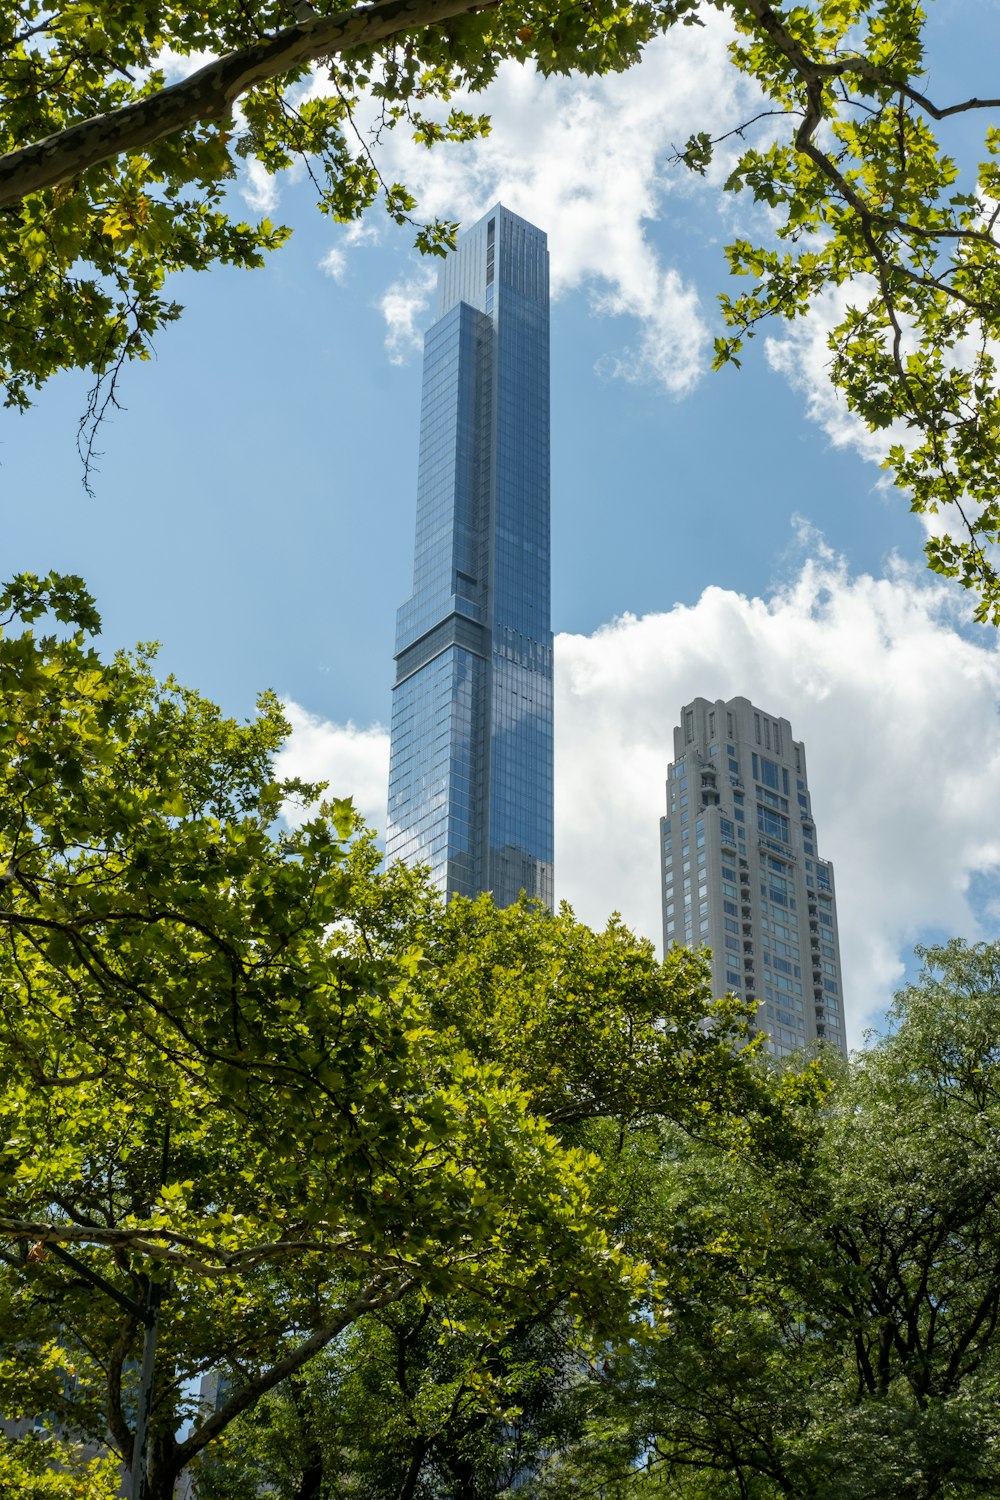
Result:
<point x="245" y="1076"/>
<point x="113" y="170"/>
<point x="45" y="1468"/>
<point x="113" y="176"/>
<point x="837" y="1336"/>
<point x="411" y="1405"/>
<point x="865" y="199"/>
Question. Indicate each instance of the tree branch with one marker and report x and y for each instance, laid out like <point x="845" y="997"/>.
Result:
<point x="248" y="1395"/>
<point x="209" y="94"/>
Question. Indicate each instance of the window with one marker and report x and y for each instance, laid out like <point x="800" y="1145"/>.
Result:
<point x="730" y="925"/>
<point x="769" y="774"/>
<point x="771" y="799"/>
<point x="728" y="874"/>
<point x="726" y="830"/>
<point x="730" y="907"/>
<point x="689" y="725"/>
<point x="774" y="824"/>
<point x="734" y="766"/>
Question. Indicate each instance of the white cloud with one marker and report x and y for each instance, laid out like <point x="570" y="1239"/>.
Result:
<point x="897" y="709"/>
<point x="587" y="160"/>
<point x="898" y="713"/>
<point x="802" y="355"/>
<point x="176" y="66"/>
<point x="259" y="187"/>
<point x="355" y="762"/>
<point x="403" y="305"/>
<point x="334" y="263"/>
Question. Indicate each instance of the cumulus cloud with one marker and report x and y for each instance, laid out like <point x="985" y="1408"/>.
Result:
<point x="354" y="762"/>
<point x="259" y="187"/>
<point x="898" y="713"/>
<point x="897" y="708"/>
<point x="403" y="305"/>
<point x="587" y="160"/>
<point x="334" y="263"/>
<point x="802" y="355"/>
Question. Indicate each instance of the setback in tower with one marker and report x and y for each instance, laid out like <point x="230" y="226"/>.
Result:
<point x="742" y="873"/>
<point x="470" y="772"/>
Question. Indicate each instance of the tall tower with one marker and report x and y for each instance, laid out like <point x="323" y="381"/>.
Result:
<point x="470" y="771"/>
<point x="742" y="873"/>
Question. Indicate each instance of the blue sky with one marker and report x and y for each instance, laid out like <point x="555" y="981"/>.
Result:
<point x="716" y="534"/>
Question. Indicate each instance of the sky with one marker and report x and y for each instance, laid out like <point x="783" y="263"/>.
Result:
<point x="716" y="534"/>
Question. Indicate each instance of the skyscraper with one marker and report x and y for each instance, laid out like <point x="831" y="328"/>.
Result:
<point x="470" y="774"/>
<point x="742" y="873"/>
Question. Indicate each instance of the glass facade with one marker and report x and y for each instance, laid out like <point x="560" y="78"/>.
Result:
<point x="470" y="773"/>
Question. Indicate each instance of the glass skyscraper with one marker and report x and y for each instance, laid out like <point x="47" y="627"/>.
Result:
<point x="470" y="774"/>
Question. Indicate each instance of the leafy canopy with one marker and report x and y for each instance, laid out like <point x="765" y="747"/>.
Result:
<point x="835" y="1333"/>
<point x="248" y="1077"/>
<point x="112" y="176"/>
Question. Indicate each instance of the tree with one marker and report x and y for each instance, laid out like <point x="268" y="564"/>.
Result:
<point x="111" y="178"/>
<point x="253" y="1092"/>
<point x="838" y="1335"/>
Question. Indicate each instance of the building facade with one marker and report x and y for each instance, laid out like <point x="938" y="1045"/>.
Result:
<point x="470" y="773"/>
<point x="742" y="874"/>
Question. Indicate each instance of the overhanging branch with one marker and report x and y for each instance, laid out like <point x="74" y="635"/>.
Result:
<point x="209" y="94"/>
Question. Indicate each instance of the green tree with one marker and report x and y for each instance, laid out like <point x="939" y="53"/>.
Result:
<point x="837" y="1335"/>
<point x="249" y="1082"/>
<point x="111" y="178"/>
<point x="435" y="1395"/>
